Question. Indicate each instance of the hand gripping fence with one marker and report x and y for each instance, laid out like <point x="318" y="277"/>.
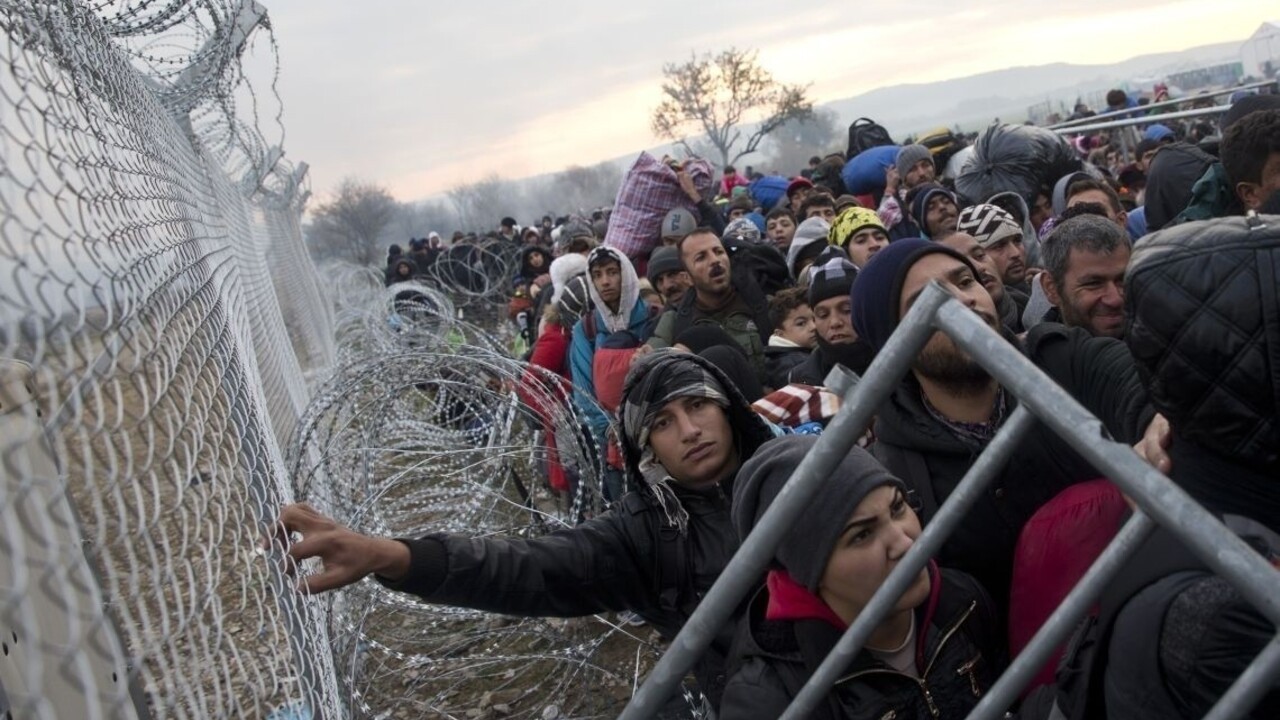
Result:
<point x="1159" y="502"/>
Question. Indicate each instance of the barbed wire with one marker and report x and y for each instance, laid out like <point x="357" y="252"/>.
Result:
<point x="445" y="432"/>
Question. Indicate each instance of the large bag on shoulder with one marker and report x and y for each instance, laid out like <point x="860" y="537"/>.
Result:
<point x="649" y="191"/>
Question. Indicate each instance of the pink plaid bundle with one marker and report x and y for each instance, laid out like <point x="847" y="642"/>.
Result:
<point x="649" y="191"/>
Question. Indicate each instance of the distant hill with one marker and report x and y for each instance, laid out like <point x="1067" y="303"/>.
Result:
<point x="1006" y="94"/>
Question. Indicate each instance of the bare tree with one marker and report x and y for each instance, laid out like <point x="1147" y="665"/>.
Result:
<point x="717" y="94"/>
<point x="482" y="204"/>
<point x="792" y="144"/>
<point x="416" y="219"/>
<point x="351" y="223"/>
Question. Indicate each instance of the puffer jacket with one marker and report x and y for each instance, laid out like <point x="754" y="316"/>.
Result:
<point x="1202" y="298"/>
<point x="958" y="653"/>
<point x="624" y="559"/>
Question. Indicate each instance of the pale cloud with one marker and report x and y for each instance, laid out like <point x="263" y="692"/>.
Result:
<point x="421" y="96"/>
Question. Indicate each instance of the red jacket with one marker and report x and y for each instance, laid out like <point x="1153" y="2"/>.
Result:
<point x="551" y="352"/>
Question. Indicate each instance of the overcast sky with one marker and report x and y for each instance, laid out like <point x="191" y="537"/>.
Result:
<point x="419" y="96"/>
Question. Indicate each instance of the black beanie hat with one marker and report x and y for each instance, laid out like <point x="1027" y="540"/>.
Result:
<point x="808" y="544"/>
<point x="1247" y="106"/>
<point x="877" y="291"/>
<point x="663" y="260"/>
<point x="832" y="279"/>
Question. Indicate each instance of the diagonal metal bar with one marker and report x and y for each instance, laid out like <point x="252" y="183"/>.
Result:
<point x="967" y="493"/>
<point x="747" y="565"/>
<point x="1215" y="545"/>
<point x="1062" y="622"/>
<point x="1253" y="683"/>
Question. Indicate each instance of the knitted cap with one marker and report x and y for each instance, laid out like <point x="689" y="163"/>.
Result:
<point x="808" y="544"/>
<point x="574" y="300"/>
<point x="908" y="156"/>
<point x="849" y="222"/>
<point x="987" y="224"/>
<point x="663" y="260"/>
<point x="877" y="290"/>
<point x="677" y="223"/>
<point x="743" y="230"/>
<point x="833" y="279"/>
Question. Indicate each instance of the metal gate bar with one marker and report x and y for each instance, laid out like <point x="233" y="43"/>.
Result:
<point x="1159" y="499"/>
<point x="968" y="492"/>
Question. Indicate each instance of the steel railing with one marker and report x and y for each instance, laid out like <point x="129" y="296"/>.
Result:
<point x="1143" y="109"/>
<point x="1157" y="500"/>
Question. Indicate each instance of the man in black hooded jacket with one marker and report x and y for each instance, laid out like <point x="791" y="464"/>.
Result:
<point x="1183" y="634"/>
<point x="687" y="430"/>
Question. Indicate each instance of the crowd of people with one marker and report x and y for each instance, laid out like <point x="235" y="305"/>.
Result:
<point x="1144" y="280"/>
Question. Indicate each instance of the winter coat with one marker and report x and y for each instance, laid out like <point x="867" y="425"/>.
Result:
<point x="779" y="361"/>
<point x="632" y="316"/>
<point x="745" y="319"/>
<point x="958" y="655"/>
<point x="1098" y="372"/>
<point x="550" y="352"/>
<point x="628" y="558"/>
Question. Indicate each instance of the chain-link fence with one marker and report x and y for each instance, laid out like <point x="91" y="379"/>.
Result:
<point x="159" y="318"/>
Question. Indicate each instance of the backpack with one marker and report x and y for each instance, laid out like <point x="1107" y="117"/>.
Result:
<point x="612" y="358"/>
<point x="943" y="144"/>
<point x="865" y="134"/>
<point x="763" y="264"/>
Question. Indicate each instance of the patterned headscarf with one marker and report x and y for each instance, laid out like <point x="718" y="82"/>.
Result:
<point x="671" y="375"/>
<point x="849" y="222"/>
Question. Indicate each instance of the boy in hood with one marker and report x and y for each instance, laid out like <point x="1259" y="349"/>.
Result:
<point x="810" y="240"/>
<point x="604" y="340"/>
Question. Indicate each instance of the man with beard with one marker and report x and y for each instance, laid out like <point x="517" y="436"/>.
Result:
<point x="1001" y="236"/>
<point x="934" y="210"/>
<point x="1006" y="309"/>
<point x="734" y="302"/>
<point x="1085" y="260"/>
<point x="837" y="341"/>
<point x="667" y="275"/>
<point x="948" y="408"/>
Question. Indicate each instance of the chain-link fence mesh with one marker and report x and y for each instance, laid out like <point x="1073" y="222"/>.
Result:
<point x="171" y="373"/>
<point x="159" y="317"/>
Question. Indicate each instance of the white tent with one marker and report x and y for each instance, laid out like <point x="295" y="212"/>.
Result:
<point x="1261" y="52"/>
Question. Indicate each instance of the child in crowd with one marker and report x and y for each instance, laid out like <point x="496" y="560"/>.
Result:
<point x="793" y="337"/>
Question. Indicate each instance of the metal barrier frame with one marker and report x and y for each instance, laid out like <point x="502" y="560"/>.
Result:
<point x="1071" y="124"/>
<point x="1158" y="502"/>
